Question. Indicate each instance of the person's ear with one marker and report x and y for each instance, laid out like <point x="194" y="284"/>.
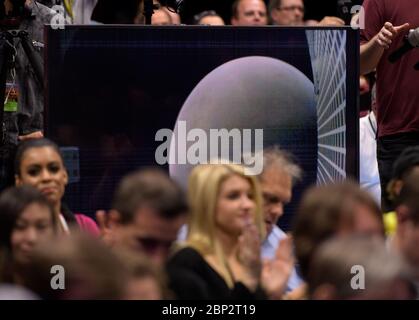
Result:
<point x="397" y="187"/>
<point x="233" y="21"/>
<point x="402" y="213"/>
<point x="273" y="16"/>
<point x="114" y="218"/>
<point x="65" y="177"/>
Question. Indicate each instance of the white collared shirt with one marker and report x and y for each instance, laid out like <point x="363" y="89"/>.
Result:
<point x="369" y="178"/>
<point x="269" y="247"/>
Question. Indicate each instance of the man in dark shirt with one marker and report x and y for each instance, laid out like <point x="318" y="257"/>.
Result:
<point x="24" y="120"/>
<point x="386" y="22"/>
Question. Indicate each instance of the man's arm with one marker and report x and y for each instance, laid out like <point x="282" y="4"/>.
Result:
<point x="372" y="51"/>
<point x="331" y="22"/>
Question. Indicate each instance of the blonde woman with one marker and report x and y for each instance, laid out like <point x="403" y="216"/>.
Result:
<point x="221" y="256"/>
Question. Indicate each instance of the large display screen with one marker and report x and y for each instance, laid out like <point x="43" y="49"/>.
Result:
<point x="116" y="94"/>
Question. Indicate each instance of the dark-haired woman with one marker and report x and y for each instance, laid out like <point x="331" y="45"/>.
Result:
<point x="39" y="163"/>
<point x="26" y="219"/>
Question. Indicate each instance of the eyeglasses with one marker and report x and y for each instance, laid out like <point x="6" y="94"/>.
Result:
<point x="292" y="8"/>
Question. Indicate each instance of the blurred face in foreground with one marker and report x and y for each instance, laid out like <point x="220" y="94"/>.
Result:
<point x="148" y="233"/>
<point x="34" y="225"/>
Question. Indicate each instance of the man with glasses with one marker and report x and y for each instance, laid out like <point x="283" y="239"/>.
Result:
<point x="291" y="13"/>
<point x="287" y="12"/>
<point x="249" y="13"/>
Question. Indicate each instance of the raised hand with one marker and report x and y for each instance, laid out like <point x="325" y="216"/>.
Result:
<point x="276" y="272"/>
<point x="388" y="33"/>
<point x="103" y="223"/>
<point x="331" y="22"/>
<point x="249" y="255"/>
<point x="33" y="135"/>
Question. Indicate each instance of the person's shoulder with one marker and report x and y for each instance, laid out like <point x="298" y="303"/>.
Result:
<point x="186" y="277"/>
<point x="80" y="217"/>
<point x="186" y="254"/>
<point x="87" y="224"/>
<point x="278" y="233"/>
<point x="187" y="258"/>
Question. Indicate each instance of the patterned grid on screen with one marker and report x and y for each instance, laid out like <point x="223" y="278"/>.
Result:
<point x="328" y="59"/>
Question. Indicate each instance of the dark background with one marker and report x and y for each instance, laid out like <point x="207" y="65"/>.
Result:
<point x="109" y="89"/>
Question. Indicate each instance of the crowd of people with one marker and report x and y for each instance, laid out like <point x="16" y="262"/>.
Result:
<point x="251" y="13"/>
<point x="219" y="238"/>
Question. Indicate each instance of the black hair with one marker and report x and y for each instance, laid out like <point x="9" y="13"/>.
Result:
<point x="40" y="143"/>
<point x="235" y="8"/>
<point x="409" y="195"/>
<point x="33" y="143"/>
<point x="152" y="188"/>
<point x="107" y="12"/>
<point x="273" y="4"/>
<point x="13" y="202"/>
<point x="406" y="161"/>
<point x="208" y="13"/>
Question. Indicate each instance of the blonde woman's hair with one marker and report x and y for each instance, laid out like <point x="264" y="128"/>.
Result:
<point x="203" y="190"/>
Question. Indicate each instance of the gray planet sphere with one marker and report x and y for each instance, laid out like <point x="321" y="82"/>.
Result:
<point x="252" y="93"/>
